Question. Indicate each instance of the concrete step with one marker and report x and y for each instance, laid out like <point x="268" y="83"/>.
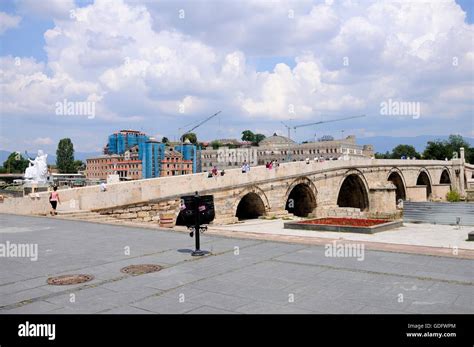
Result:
<point x="105" y="220"/>
<point x="87" y="216"/>
<point x="74" y="212"/>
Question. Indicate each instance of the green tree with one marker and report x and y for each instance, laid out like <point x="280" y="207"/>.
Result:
<point x="215" y="144"/>
<point x="248" y="135"/>
<point x="190" y="136"/>
<point x="258" y="138"/>
<point x="455" y="142"/>
<point x="15" y="163"/>
<point x="385" y="155"/>
<point x="470" y="155"/>
<point x="436" y="150"/>
<point x="79" y="165"/>
<point x="165" y="139"/>
<point x="404" y="150"/>
<point x="65" y="156"/>
<point x="444" y="149"/>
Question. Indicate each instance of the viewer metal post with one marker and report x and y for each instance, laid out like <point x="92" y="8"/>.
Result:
<point x="197" y="226"/>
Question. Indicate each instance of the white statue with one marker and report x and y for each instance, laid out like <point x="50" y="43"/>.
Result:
<point x="37" y="171"/>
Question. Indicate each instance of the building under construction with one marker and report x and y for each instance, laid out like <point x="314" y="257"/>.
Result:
<point x="131" y="155"/>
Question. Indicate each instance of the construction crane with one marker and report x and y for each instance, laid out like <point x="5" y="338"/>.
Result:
<point x="316" y="123"/>
<point x="320" y="122"/>
<point x="289" y="129"/>
<point x="195" y="127"/>
<point x="202" y="122"/>
<point x="326" y="121"/>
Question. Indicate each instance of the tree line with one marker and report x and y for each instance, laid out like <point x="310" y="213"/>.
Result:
<point x="435" y="150"/>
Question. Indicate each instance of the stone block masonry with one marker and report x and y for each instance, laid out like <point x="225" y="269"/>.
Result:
<point x="363" y="187"/>
<point x="144" y="212"/>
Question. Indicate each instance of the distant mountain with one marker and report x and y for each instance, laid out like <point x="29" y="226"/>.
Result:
<point x="387" y="143"/>
<point x="51" y="157"/>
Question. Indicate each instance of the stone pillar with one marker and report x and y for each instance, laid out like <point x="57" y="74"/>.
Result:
<point x="458" y="169"/>
<point x="462" y="189"/>
<point x="416" y="193"/>
<point x="382" y="202"/>
<point x="223" y="206"/>
<point x="440" y="190"/>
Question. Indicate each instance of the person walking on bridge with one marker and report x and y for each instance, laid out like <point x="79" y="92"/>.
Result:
<point x="245" y="167"/>
<point x="54" y="201"/>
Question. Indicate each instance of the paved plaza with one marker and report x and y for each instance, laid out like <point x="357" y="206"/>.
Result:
<point x="239" y="276"/>
<point x="413" y="234"/>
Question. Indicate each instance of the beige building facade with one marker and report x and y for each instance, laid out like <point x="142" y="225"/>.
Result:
<point x="282" y="149"/>
<point x="228" y="158"/>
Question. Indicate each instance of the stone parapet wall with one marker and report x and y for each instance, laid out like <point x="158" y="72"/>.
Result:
<point x="144" y="212"/>
<point x="144" y="200"/>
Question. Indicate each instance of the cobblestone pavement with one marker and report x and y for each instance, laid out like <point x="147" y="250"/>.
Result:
<point x="240" y="275"/>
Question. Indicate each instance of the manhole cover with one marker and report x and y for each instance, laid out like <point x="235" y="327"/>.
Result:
<point x="140" y="269"/>
<point x="69" y="279"/>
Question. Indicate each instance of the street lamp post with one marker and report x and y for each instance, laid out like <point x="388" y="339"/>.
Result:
<point x="197" y="226"/>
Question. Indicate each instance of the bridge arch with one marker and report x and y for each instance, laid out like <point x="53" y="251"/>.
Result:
<point x="300" y="197"/>
<point x="251" y="203"/>
<point x="396" y="177"/>
<point x="353" y="191"/>
<point x="445" y="176"/>
<point x="424" y="179"/>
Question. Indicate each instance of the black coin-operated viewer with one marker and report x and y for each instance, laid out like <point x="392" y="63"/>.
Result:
<point x="196" y="212"/>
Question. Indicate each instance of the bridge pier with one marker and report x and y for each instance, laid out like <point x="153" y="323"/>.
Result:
<point x="224" y="208"/>
<point x="416" y="193"/>
<point x="440" y="191"/>
<point x="382" y="202"/>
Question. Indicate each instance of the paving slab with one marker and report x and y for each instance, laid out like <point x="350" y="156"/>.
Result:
<point x="239" y="276"/>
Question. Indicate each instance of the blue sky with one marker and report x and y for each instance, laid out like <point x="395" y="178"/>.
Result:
<point x="148" y="66"/>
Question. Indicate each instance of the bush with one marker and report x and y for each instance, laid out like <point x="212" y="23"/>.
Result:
<point x="453" y="196"/>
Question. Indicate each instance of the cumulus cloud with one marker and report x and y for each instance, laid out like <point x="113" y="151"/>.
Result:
<point x="141" y="61"/>
<point x="27" y="89"/>
<point x="8" y="22"/>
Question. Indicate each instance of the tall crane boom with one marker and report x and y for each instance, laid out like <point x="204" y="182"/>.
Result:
<point x="201" y="123"/>
<point x="287" y="127"/>
<point x="327" y="121"/>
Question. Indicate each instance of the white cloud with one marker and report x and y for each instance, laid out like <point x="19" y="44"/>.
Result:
<point x="141" y="61"/>
<point x="28" y="90"/>
<point x="8" y="22"/>
<point x="43" y="141"/>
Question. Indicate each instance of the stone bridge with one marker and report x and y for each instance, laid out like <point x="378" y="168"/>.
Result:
<point x="359" y="187"/>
